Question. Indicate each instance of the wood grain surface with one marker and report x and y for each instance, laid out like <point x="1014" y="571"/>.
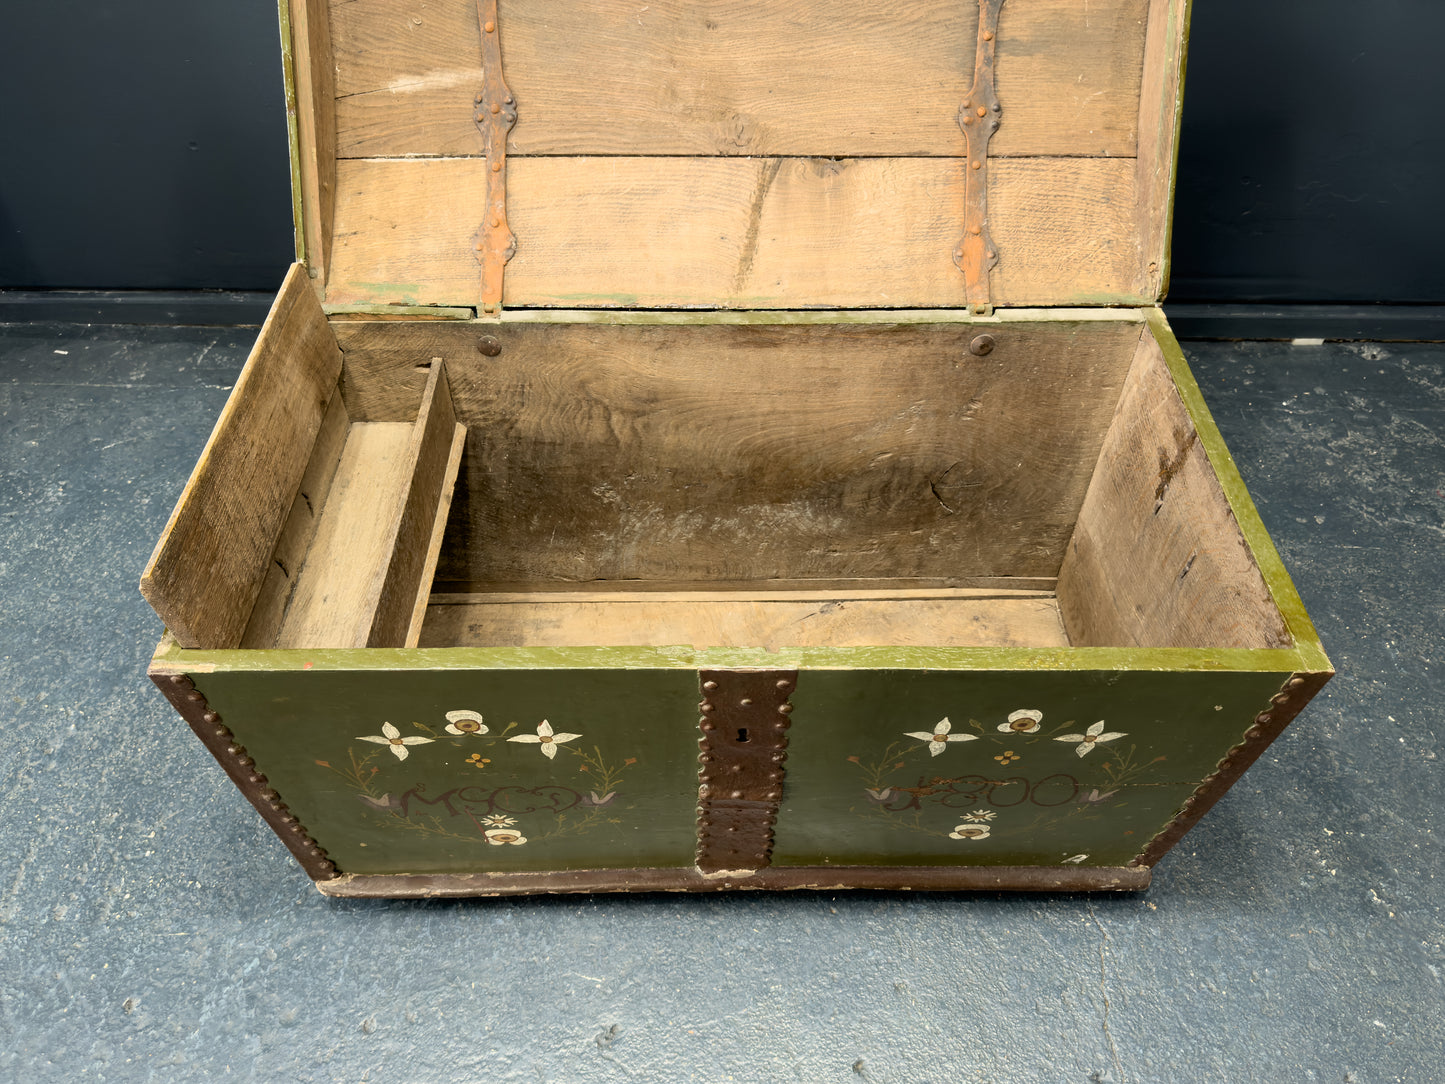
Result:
<point x="1157" y="559"/>
<point x="741" y="452"/>
<point x="211" y="561"/>
<point x="736" y="232"/>
<point x="703" y="619"/>
<point x="737" y="77"/>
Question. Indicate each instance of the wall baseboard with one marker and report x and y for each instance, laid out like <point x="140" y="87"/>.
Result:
<point x="174" y="308"/>
<point x="1191" y="320"/>
<point x="1385" y="323"/>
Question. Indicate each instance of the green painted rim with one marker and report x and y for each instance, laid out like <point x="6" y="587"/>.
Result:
<point x="293" y="129"/>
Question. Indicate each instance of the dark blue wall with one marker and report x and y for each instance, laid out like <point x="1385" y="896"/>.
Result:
<point x="145" y="147"/>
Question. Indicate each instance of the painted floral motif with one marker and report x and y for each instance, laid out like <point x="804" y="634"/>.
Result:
<point x="969" y="831"/>
<point x="980" y="815"/>
<point x="1093" y="736"/>
<point x="498" y="836"/>
<point x="939" y="739"/>
<point x="877" y="794"/>
<point x="390" y="736"/>
<point x="1007" y="757"/>
<point x="599" y="800"/>
<point x="1025" y="721"/>
<point x="546" y="738"/>
<point x="476" y="760"/>
<point x="1076" y="859"/>
<point x="1094" y="797"/>
<point x="499" y="820"/>
<point x="464" y="722"/>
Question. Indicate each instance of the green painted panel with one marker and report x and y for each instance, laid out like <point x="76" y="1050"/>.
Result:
<point x="619" y="791"/>
<point x="867" y="786"/>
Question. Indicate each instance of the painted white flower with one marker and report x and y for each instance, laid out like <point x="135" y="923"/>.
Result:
<point x="1090" y="738"/>
<point x="969" y="831"/>
<point x="939" y="739"/>
<point x="499" y="820"/>
<point x="544" y="737"/>
<point x="498" y="836"/>
<point x="391" y="736"/>
<point x="980" y="815"/>
<point x="1076" y="860"/>
<point x="464" y="722"/>
<point x="1026" y="721"/>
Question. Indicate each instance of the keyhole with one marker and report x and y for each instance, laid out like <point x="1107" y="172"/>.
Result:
<point x="742" y="735"/>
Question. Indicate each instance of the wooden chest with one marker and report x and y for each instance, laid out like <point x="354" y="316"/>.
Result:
<point x="710" y="445"/>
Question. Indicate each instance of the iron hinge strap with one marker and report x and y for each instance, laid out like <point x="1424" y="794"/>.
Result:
<point x="979" y="117"/>
<point x="494" y="113"/>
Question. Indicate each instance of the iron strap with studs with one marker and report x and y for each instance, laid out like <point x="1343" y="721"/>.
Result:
<point x="494" y="113"/>
<point x="979" y="117"/>
<point x="745" y="720"/>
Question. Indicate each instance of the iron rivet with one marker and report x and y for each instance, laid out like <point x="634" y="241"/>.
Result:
<point x="988" y="35"/>
<point x="210" y="717"/>
<point x="479" y="246"/>
<point x="1294" y="683"/>
<point x="975" y="230"/>
<point x="496" y="221"/>
<point x="737" y="794"/>
<point x="981" y="346"/>
<point x="785" y="684"/>
<point x="709" y="686"/>
<point x="976" y="165"/>
<point x="1279" y="698"/>
<point x="477" y="117"/>
<point x="732" y="828"/>
<point x="222" y="732"/>
<point x="179" y="679"/>
<point x="195" y="696"/>
<point x="489" y="346"/>
<point x="479" y="99"/>
<point x="707" y="724"/>
<point x="496" y="109"/>
<point x="785" y="709"/>
<point x="982" y="112"/>
<point x="992" y="254"/>
<point x="490" y="27"/>
<point x="778" y="758"/>
<point x="745" y="702"/>
<point x="1264" y="719"/>
<point x="774" y="795"/>
<point x="736" y="768"/>
<point x="496" y="167"/>
<point x="706" y="705"/>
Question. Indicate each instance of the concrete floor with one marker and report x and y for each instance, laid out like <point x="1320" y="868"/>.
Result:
<point x="152" y="929"/>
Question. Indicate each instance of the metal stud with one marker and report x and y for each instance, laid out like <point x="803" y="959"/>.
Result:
<point x="709" y="686"/>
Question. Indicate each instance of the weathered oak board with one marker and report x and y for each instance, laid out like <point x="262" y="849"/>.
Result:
<point x="705" y="619"/>
<point x="736" y="232"/>
<point x="209" y="566"/>
<point x="744" y="452"/>
<point x="737" y="77"/>
<point x="1157" y="558"/>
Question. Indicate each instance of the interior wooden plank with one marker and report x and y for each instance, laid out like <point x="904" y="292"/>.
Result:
<point x="315" y="82"/>
<point x="738" y="77"/>
<point x="765" y="592"/>
<point x="1161" y="90"/>
<point x="211" y="561"/>
<point x="438" y="534"/>
<point x="758" y="452"/>
<point x="337" y="588"/>
<point x="299" y="530"/>
<point x="736" y="233"/>
<point x="703" y="622"/>
<point x="1157" y="559"/>
<point x="406" y="572"/>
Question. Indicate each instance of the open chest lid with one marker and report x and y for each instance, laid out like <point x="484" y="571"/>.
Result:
<point x="729" y="154"/>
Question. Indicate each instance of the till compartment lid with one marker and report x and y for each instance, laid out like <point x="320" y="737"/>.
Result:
<point x="741" y="154"/>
